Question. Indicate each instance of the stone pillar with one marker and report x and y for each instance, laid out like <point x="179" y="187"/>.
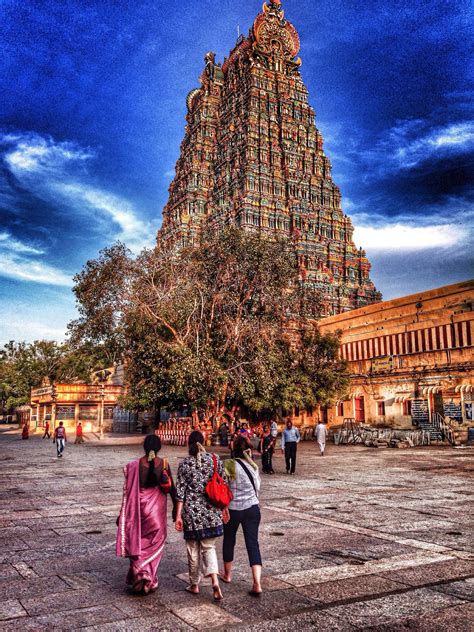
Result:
<point x="53" y="415"/>
<point x="76" y="414"/>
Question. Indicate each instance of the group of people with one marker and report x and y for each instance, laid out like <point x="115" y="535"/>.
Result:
<point x="59" y="435"/>
<point x="142" y="523"/>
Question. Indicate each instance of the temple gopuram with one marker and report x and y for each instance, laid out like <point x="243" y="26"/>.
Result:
<point x="253" y="157"/>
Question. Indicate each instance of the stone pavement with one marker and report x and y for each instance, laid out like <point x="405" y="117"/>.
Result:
<point x="360" y="539"/>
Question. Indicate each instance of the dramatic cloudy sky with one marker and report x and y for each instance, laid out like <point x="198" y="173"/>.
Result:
<point x="92" y="114"/>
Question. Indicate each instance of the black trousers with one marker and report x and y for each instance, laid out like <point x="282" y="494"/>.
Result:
<point x="250" y="521"/>
<point x="290" y="456"/>
<point x="267" y="465"/>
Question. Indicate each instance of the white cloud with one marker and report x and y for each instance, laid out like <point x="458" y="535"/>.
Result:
<point x="447" y="225"/>
<point x="8" y="242"/>
<point x="133" y="231"/>
<point x="18" y="267"/>
<point x="32" y="153"/>
<point x="405" y="237"/>
<point x="412" y="142"/>
<point x="20" y="261"/>
<point x="58" y="172"/>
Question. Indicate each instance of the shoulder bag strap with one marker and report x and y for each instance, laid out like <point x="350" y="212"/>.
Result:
<point x="214" y="460"/>
<point x="245" y="468"/>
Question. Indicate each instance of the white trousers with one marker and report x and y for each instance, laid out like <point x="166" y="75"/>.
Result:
<point x="322" y="445"/>
<point x="202" y="559"/>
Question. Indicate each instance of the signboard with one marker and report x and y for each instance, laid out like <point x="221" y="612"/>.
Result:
<point x="387" y="363"/>
<point x="419" y="410"/>
<point x="39" y="392"/>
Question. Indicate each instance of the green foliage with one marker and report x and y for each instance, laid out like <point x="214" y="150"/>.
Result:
<point x="210" y="326"/>
<point x="23" y="367"/>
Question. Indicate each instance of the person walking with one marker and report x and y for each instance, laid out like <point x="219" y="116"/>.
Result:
<point x="274" y="429"/>
<point x="321" y="433"/>
<point x="266" y="448"/>
<point x="224" y="434"/>
<point x="142" y="523"/>
<point x="25" y="433"/>
<point x="60" y="439"/>
<point x="199" y="520"/>
<point x="244" y="509"/>
<point x="46" y="430"/>
<point x="290" y="438"/>
<point x="79" y="434"/>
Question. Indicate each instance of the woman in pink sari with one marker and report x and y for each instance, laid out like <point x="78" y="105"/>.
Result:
<point x="142" y="523"/>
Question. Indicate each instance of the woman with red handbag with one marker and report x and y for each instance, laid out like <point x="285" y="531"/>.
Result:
<point x="201" y="494"/>
<point x="142" y="522"/>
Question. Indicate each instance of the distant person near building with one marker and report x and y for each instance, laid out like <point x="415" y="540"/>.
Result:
<point x="25" y="433"/>
<point x="79" y="434"/>
<point x="266" y="448"/>
<point x="47" y="433"/>
<point x="224" y="434"/>
<point x="290" y="438"/>
<point x="274" y="429"/>
<point x="60" y="439"/>
<point x="321" y="433"/>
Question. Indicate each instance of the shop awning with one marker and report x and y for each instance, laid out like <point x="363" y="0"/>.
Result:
<point x="403" y="397"/>
<point x="427" y="390"/>
<point x="464" y="388"/>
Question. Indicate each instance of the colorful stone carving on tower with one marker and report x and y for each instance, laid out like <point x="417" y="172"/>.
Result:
<point x="253" y="157"/>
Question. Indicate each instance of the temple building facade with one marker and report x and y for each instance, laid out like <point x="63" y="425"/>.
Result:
<point x="252" y="157"/>
<point x="409" y="359"/>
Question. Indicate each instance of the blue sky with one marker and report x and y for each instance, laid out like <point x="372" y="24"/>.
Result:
<point x="92" y="115"/>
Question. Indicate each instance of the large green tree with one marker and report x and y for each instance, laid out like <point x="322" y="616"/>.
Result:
<point x="219" y="325"/>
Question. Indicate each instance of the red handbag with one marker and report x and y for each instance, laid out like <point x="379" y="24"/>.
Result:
<point x="217" y="490"/>
<point x="165" y="481"/>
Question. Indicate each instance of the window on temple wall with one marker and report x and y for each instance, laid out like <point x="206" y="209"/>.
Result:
<point x="381" y="409"/>
<point x="297" y="412"/>
<point x="340" y="409"/>
<point x="407" y="407"/>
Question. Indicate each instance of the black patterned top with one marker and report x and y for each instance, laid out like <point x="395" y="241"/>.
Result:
<point x="201" y="519"/>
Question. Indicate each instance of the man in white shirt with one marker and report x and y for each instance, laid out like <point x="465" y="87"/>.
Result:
<point x="321" y="433"/>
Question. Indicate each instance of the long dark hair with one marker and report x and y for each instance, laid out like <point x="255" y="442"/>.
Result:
<point x="240" y="445"/>
<point x="194" y="438"/>
<point x="152" y="442"/>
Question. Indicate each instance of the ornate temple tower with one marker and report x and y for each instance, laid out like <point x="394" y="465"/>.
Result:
<point x="253" y="157"/>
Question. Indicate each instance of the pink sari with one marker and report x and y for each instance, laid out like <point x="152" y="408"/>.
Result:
<point x="141" y="534"/>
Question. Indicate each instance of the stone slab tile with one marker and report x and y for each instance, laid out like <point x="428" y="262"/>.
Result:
<point x="391" y="609"/>
<point x="454" y="619"/>
<point x="463" y="589"/>
<point x="345" y="571"/>
<point x="320" y="621"/>
<point x="352" y="589"/>
<point x="8" y="572"/>
<point x="63" y="601"/>
<point x="11" y="609"/>
<point x="31" y="587"/>
<point x="206" y="617"/>
<point x="165" y="622"/>
<point x="269" y="605"/>
<point x="72" y="619"/>
<point x="431" y="573"/>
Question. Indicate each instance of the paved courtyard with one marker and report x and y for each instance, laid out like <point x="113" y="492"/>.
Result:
<point x="359" y="539"/>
